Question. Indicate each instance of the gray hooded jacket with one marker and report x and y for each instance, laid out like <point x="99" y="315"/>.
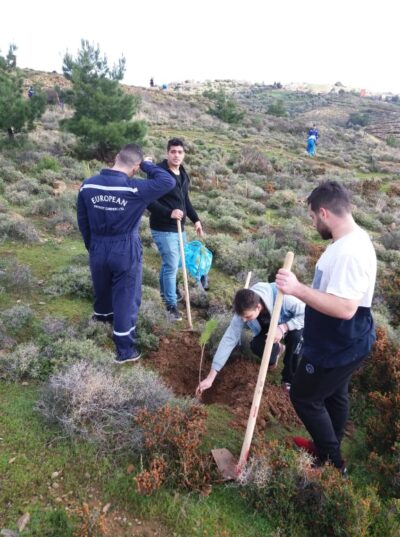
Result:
<point x="292" y="313"/>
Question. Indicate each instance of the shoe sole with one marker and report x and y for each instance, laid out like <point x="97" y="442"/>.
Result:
<point x="119" y="362"/>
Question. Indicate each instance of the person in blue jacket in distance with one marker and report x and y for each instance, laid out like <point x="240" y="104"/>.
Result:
<point x="311" y="143"/>
<point x="110" y="206"/>
<point x="314" y="132"/>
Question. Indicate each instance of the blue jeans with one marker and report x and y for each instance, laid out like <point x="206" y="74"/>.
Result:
<point x="167" y="243"/>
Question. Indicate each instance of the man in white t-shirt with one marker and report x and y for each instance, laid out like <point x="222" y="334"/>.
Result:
<point x="339" y="329"/>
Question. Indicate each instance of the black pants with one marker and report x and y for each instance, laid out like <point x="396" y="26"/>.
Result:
<point x="320" y="398"/>
<point x="292" y="342"/>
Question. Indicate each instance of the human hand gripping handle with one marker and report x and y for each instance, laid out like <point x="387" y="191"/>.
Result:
<point x="287" y="282"/>
<point x="177" y="214"/>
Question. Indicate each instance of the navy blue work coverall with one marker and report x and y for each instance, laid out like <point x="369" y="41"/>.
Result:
<point x="110" y="206"/>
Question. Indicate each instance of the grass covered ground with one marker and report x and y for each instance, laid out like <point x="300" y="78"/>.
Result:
<point x="249" y="182"/>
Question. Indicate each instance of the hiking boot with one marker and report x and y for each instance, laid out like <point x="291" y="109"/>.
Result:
<point x="204" y="282"/>
<point x="173" y="313"/>
<point x="105" y="319"/>
<point x="306" y="445"/>
<point x="344" y="472"/>
<point x="136" y="354"/>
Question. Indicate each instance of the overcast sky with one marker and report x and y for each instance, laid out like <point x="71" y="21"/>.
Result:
<point x="355" y="42"/>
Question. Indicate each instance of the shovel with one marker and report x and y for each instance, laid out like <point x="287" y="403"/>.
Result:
<point x="185" y="278"/>
<point x="228" y="466"/>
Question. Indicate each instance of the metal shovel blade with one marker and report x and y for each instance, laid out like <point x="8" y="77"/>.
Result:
<point x="226" y="462"/>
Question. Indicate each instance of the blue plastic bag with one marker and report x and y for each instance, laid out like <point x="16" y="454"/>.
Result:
<point x="198" y="259"/>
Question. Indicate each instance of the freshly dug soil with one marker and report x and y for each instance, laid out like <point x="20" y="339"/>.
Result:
<point x="177" y="361"/>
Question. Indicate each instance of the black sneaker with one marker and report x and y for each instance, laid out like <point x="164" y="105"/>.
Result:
<point x="173" y="313"/>
<point x="204" y="282"/>
<point x="135" y="356"/>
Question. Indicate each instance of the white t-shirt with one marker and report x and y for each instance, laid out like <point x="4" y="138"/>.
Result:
<point x="347" y="268"/>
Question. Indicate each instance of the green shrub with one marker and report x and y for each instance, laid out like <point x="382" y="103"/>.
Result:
<point x="152" y="320"/>
<point x="277" y="108"/>
<point x="18" y="320"/>
<point x="252" y="160"/>
<point x="72" y="281"/>
<point x="14" y="276"/>
<point x="17" y="229"/>
<point x="150" y="277"/>
<point x="284" y="487"/>
<point x="221" y="207"/>
<point x="46" y="163"/>
<point x="359" y="118"/>
<point x="282" y="198"/>
<point x="392" y="141"/>
<point x="254" y="207"/>
<point x="229" y="223"/>
<point x="24" y="362"/>
<point x="391" y="241"/>
<point x="54" y="523"/>
<point x="64" y="352"/>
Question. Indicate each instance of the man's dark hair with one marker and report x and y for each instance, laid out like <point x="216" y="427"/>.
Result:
<point x="245" y="300"/>
<point x="130" y="155"/>
<point x="174" y="142"/>
<point x="330" y="195"/>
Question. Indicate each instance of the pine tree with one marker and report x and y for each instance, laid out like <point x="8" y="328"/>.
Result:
<point x="103" y="111"/>
<point x="17" y="113"/>
<point x="225" y="108"/>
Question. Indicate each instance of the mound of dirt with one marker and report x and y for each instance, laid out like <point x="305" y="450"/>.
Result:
<point x="177" y="361"/>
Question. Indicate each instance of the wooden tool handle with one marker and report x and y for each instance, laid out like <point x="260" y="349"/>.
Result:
<point x="263" y="371"/>
<point x="185" y="278"/>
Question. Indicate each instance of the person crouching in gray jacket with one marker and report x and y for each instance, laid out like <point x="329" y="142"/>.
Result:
<point x="253" y="307"/>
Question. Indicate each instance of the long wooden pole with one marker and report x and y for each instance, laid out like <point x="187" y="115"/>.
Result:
<point x="251" y="422"/>
<point x="185" y="278"/>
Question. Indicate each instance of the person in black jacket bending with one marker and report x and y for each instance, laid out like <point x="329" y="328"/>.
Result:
<point x="164" y="214"/>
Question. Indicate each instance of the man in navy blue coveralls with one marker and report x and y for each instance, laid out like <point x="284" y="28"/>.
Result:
<point x="338" y="326"/>
<point x="110" y="206"/>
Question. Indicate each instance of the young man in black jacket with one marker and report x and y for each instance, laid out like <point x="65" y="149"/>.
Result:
<point x="164" y="214"/>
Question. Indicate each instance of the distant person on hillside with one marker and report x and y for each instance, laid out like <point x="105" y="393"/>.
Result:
<point x="164" y="214"/>
<point x="253" y="307"/>
<point x="31" y="92"/>
<point x="152" y="82"/>
<point x="311" y="142"/>
<point x="110" y="206"/>
<point x="314" y="132"/>
<point x="338" y="326"/>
